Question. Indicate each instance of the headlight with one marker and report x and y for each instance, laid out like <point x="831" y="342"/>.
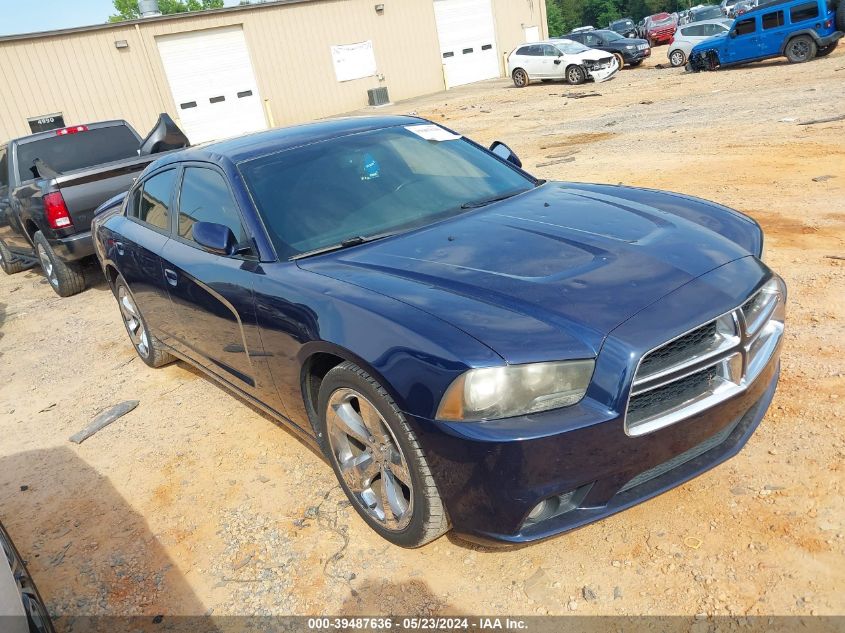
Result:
<point x="501" y="392"/>
<point x="630" y="47"/>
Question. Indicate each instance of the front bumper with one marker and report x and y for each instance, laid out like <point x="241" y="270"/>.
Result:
<point x="491" y="474"/>
<point x="74" y="247"/>
<point x="631" y="57"/>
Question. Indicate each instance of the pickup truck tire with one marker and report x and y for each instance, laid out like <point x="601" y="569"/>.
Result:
<point x="66" y="278"/>
<point x="800" y="49"/>
<point x="8" y="263"/>
<point x="148" y="347"/>
<point x="359" y="423"/>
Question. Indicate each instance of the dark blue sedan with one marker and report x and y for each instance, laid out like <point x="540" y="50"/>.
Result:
<point x="469" y="346"/>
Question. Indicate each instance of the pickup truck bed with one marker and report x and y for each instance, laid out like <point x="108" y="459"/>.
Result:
<point x="51" y="183"/>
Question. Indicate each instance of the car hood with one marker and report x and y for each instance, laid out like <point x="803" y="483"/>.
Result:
<point x="592" y="55"/>
<point x="543" y="275"/>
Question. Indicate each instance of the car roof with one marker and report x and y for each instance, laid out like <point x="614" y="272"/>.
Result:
<point x="259" y="144"/>
<point x="722" y="21"/>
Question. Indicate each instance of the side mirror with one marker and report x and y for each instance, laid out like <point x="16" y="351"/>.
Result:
<point x="731" y="34"/>
<point x="215" y="238"/>
<point x="503" y="151"/>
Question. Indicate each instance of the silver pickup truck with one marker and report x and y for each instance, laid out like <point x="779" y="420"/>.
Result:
<point x="51" y="183"/>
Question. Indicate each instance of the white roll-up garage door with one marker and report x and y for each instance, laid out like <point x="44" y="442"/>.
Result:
<point x="467" y="40"/>
<point x="213" y="83"/>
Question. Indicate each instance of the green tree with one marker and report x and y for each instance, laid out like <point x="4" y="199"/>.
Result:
<point x="554" y="19"/>
<point x="128" y="9"/>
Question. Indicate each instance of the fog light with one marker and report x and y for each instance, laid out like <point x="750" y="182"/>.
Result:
<point x="539" y="510"/>
<point x="557" y="505"/>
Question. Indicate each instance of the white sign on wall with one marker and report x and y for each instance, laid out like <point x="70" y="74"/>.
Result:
<point x="354" y="61"/>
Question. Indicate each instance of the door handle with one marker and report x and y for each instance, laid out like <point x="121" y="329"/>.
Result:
<point x="171" y="276"/>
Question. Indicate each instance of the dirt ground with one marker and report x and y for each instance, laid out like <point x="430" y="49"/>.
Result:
<point x="195" y="503"/>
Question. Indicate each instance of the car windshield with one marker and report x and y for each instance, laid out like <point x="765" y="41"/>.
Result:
<point x="661" y="21"/>
<point x="71" y="152"/>
<point x="571" y="48"/>
<point x="612" y="36"/>
<point x="348" y="189"/>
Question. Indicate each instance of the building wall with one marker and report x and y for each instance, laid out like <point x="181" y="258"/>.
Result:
<point x="83" y="75"/>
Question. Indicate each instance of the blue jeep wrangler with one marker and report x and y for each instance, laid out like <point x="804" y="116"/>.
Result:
<point x="798" y="29"/>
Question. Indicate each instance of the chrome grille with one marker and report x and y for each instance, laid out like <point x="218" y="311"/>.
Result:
<point x="708" y="364"/>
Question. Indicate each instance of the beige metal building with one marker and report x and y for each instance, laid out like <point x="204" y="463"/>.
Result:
<point x="241" y="69"/>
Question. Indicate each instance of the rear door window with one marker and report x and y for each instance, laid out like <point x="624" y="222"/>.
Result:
<point x="772" y="20"/>
<point x="205" y="197"/>
<point x="806" y="11"/>
<point x="72" y="152"/>
<point x="746" y="26"/>
<point x="154" y="208"/>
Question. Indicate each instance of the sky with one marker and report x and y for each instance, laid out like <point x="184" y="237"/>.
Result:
<point x="45" y="15"/>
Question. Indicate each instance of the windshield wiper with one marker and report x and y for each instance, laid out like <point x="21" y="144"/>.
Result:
<point x="483" y="203"/>
<point x="355" y="240"/>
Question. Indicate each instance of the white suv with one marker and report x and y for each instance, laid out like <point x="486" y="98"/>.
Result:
<point x="691" y="34"/>
<point x="560" y="59"/>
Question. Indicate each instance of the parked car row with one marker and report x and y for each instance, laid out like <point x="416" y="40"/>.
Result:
<point x="800" y="30"/>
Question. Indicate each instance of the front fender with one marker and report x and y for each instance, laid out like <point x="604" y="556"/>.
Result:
<point x="414" y="355"/>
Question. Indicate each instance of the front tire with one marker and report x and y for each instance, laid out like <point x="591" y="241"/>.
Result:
<point x="8" y="262"/>
<point x="677" y="58"/>
<point x="520" y="78"/>
<point x="620" y="60"/>
<point x="800" y="49"/>
<point x="66" y="278"/>
<point x="377" y="459"/>
<point x="575" y="75"/>
<point x="148" y="347"/>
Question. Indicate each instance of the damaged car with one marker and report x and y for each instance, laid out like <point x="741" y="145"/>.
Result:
<point x="560" y="59"/>
<point x="799" y="30"/>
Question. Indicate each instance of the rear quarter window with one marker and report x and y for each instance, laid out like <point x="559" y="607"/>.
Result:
<point x="806" y="11"/>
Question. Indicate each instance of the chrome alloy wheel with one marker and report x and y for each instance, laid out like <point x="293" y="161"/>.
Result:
<point x="369" y="459"/>
<point x="47" y="266"/>
<point x="132" y="320"/>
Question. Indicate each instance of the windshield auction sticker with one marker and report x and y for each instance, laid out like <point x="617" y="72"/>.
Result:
<point x="432" y="132"/>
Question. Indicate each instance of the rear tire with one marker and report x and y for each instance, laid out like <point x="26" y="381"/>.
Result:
<point x="66" y="278"/>
<point x="800" y="49"/>
<point x="677" y="58"/>
<point x="385" y="473"/>
<point x="575" y="75"/>
<point x="148" y="347"/>
<point x="8" y="262"/>
<point x="520" y="78"/>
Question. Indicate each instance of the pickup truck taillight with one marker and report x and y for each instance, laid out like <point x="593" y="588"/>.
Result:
<point x="56" y="211"/>
<point x="71" y="130"/>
